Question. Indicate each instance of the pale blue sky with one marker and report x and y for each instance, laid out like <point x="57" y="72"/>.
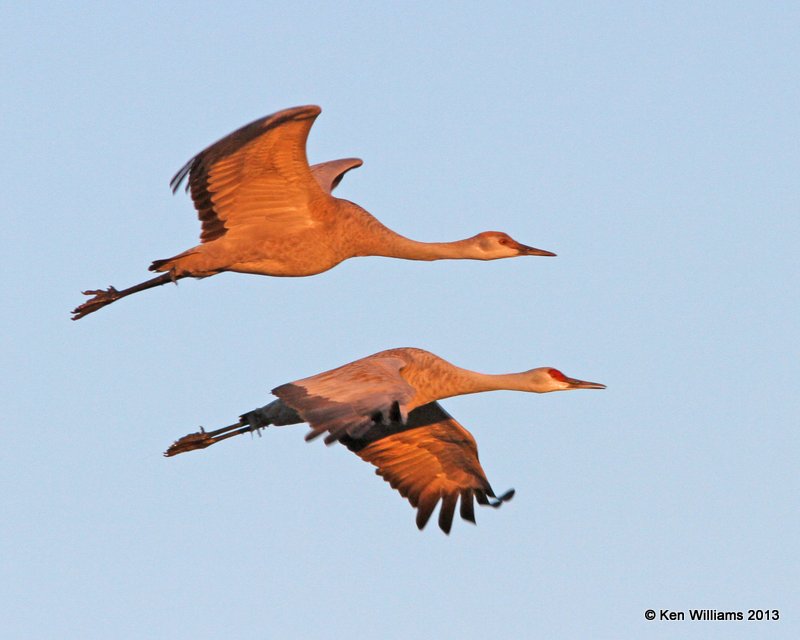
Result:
<point x="653" y="146"/>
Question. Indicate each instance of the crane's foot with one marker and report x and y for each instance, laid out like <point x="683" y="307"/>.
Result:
<point x="101" y="298"/>
<point x="190" y="442"/>
<point x="202" y="439"/>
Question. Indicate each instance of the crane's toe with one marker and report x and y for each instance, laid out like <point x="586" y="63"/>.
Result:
<point x="199" y="440"/>
<point x="111" y="292"/>
<point x="101" y="297"/>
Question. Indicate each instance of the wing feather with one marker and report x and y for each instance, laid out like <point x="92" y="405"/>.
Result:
<point x="428" y="459"/>
<point x="329" y="174"/>
<point x="467" y="509"/>
<point x="258" y="174"/>
<point x="349" y="400"/>
<point x="447" y="510"/>
<point x="427" y="503"/>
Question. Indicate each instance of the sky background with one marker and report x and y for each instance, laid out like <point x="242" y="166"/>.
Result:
<point x="653" y="146"/>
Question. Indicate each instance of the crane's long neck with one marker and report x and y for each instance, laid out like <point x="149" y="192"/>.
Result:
<point x="397" y="246"/>
<point x="444" y="380"/>
<point x="474" y="382"/>
<point x="367" y="236"/>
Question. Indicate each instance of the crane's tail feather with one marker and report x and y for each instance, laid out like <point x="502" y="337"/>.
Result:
<point x="190" y="261"/>
<point x="157" y="264"/>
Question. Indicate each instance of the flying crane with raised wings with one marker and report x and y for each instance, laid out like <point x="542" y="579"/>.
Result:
<point x="265" y="211"/>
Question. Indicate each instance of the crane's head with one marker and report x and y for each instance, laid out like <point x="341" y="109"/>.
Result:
<point x="546" y="379"/>
<point x="492" y="245"/>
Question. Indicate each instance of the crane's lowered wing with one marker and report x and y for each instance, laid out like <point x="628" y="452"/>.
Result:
<point x="428" y="459"/>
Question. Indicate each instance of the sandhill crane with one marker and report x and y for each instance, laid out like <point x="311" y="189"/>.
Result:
<point x="265" y="211"/>
<point x="385" y="409"/>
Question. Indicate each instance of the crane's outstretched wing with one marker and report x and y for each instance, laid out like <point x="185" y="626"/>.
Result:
<point x="329" y="174"/>
<point x="350" y="399"/>
<point x="430" y="458"/>
<point x="256" y="178"/>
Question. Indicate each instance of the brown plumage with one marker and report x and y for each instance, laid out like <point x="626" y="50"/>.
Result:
<point x="264" y="211"/>
<point x="432" y="457"/>
<point x="385" y="409"/>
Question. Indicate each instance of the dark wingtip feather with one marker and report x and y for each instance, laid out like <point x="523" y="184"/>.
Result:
<point x="446" y="512"/>
<point x="426" y="506"/>
<point x="506" y="496"/>
<point x="494" y="501"/>
<point x="179" y="177"/>
<point x="467" y="507"/>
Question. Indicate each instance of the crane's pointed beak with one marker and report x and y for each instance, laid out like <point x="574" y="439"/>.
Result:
<point x="525" y="250"/>
<point x="582" y="384"/>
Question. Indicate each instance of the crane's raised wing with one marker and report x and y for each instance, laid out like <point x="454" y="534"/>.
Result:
<point x="256" y="178"/>
<point x="350" y="399"/>
<point x="329" y="174"/>
<point x="430" y="458"/>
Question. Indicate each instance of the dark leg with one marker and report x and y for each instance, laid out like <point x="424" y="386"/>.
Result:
<point x="274" y="413"/>
<point x="102" y="297"/>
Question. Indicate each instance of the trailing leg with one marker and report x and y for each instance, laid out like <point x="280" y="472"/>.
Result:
<point x="275" y="413"/>
<point x="203" y="438"/>
<point x="103" y="297"/>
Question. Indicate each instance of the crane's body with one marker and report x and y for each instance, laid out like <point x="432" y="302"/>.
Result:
<point x="348" y="232"/>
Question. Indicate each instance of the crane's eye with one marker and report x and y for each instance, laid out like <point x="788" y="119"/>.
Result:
<point x="557" y="375"/>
